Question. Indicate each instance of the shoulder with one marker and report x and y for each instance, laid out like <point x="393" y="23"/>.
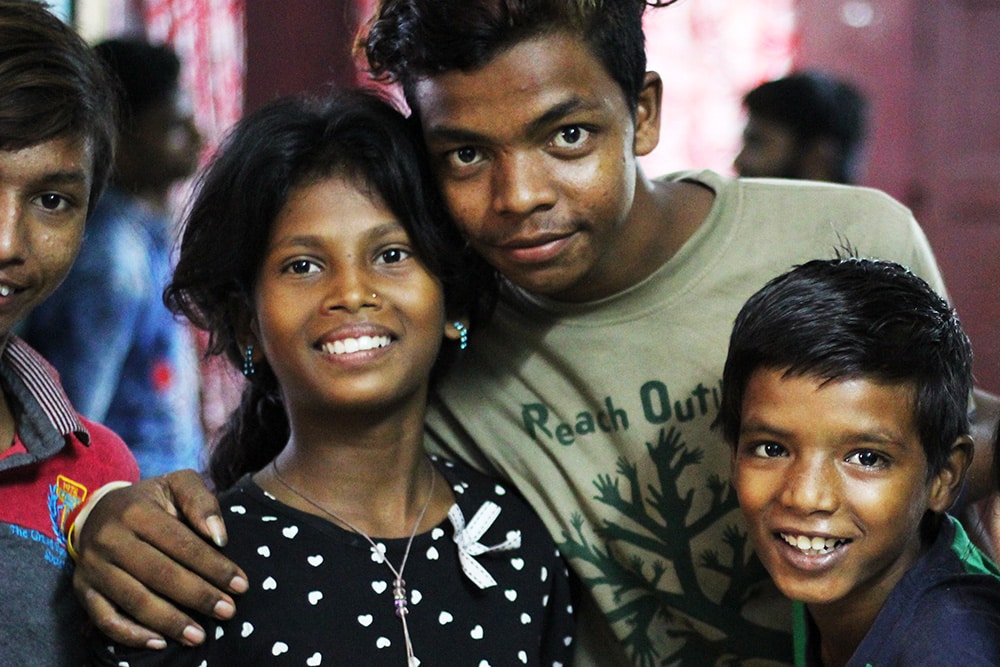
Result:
<point x="245" y="501"/>
<point x="498" y="505"/>
<point x="849" y="203"/>
<point x="473" y="487"/>
<point x="782" y="223"/>
<point x="948" y="613"/>
<point x="973" y="597"/>
<point x="250" y="512"/>
<point x="807" y="219"/>
<point x="797" y="195"/>
<point x="110" y="452"/>
<point x="956" y="621"/>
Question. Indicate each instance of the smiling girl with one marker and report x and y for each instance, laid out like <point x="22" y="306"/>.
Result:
<point x="317" y="257"/>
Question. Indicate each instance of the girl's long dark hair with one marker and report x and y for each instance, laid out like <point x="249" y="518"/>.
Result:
<point x="289" y="143"/>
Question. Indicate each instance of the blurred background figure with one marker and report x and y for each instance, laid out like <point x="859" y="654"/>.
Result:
<point x="124" y="360"/>
<point x="807" y="125"/>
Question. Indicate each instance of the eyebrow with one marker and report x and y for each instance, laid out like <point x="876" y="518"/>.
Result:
<point x="758" y="429"/>
<point x="540" y="124"/>
<point x="856" y="438"/>
<point x="315" y="241"/>
<point x="68" y="177"/>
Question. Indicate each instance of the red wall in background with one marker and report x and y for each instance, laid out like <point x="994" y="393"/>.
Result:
<point x="931" y="69"/>
<point x="932" y="72"/>
<point x="307" y="49"/>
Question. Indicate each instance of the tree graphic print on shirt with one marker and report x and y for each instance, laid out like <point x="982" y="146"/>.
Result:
<point x="659" y="520"/>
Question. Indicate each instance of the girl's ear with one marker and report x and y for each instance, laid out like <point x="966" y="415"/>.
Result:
<point x="947" y="482"/>
<point x="246" y="328"/>
<point x="456" y="329"/>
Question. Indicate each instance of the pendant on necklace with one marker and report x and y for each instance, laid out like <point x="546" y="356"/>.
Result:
<point x="399" y="597"/>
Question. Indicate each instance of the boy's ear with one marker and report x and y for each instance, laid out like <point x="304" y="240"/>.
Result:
<point x="647" y="115"/>
<point x="947" y="483"/>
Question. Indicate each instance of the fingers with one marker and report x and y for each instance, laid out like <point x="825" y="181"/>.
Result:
<point x="138" y="563"/>
<point x="107" y="619"/>
<point x="187" y="491"/>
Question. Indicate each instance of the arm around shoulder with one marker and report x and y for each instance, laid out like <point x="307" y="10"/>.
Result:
<point x="137" y="559"/>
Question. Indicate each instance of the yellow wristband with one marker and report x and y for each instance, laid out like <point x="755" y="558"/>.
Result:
<point x="81" y="516"/>
<point x="69" y="542"/>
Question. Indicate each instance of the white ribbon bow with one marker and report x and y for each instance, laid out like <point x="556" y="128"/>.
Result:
<point x="467" y="539"/>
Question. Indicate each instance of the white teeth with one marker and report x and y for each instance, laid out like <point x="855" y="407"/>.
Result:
<point x="5" y="290"/>
<point x="349" y="345"/>
<point x="812" y="544"/>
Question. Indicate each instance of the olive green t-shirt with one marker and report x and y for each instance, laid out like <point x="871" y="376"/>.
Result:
<point x="600" y="413"/>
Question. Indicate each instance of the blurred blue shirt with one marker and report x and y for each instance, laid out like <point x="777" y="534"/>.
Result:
<point x="123" y="359"/>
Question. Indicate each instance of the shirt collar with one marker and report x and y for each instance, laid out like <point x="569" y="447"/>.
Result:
<point x="34" y="382"/>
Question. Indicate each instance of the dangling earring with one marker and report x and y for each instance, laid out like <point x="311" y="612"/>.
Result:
<point x="248" y="368"/>
<point x="463" y="334"/>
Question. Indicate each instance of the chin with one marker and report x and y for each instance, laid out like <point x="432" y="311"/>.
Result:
<point x="809" y="593"/>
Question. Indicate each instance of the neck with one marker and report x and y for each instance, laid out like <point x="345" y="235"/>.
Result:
<point x="663" y="217"/>
<point x="842" y="630"/>
<point x="376" y="518"/>
<point x="7" y="424"/>
<point x="373" y="475"/>
<point x="843" y="624"/>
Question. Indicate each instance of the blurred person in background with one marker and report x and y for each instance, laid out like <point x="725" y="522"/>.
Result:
<point x="808" y="125"/>
<point x="123" y="358"/>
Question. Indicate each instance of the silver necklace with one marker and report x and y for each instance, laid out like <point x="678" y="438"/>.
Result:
<point x="398" y="584"/>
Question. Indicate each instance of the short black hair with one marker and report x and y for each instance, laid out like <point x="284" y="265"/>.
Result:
<point x="815" y="105"/>
<point x="53" y="87"/>
<point x="411" y="39"/>
<point x="290" y="143"/>
<point x="856" y="318"/>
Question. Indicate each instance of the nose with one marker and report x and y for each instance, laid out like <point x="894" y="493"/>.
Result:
<point x="522" y="185"/>
<point x="811" y="485"/>
<point x="11" y="229"/>
<point x="351" y="289"/>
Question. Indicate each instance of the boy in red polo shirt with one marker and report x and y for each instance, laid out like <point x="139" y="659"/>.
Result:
<point x="56" y="140"/>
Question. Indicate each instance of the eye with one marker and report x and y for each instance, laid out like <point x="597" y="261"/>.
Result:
<point x="867" y="458"/>
<point x="51" y="201"/>
<point x="302" y="266"/>
<point x="768" y="450"/>
<point x="463" y="157"/>
<point x="570" y="136"/>
<point x="392" y="255"/>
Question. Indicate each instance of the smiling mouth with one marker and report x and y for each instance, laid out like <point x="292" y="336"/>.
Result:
<point x="351" y="345"/>
<point x="813" y="546"/>
<point x="6" y="290"/>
